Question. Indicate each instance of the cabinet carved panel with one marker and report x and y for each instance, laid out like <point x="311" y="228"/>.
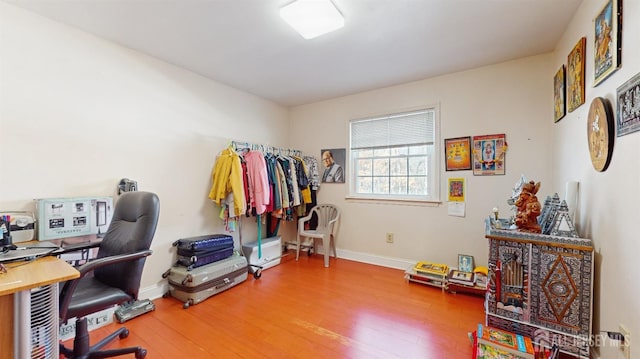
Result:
<point x="541" y="286"/>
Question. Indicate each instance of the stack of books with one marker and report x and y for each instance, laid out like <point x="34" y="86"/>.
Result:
<point x="460" y="277"/>
<point x="434" y="274"/>
<point x="493" y="343"/>
<point x="480" y="280"/>
<point x="480" y="275"/>
<point x="470" y="282"/>
<point x="430" y="268"/>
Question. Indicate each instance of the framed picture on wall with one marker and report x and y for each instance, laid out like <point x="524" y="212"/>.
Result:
<point x="607" y="47"/>
<point x="458" y="152"/>
<point x="628" y="110"/>
<point x="456" y="190"/>
<point x="333" y="160"/>
<point x="489" y="155"/>
<point x="559" y="99"/>
<point x="575" y="75"/>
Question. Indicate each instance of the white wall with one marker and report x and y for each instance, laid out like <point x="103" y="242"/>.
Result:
<point x="79" y="113"/>
<point x="609" y="200"/>
<point x="511" y="98"/>
<point x="514" y="98"/>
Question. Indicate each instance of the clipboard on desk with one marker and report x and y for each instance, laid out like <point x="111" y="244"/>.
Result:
<point x="12" y="253"/>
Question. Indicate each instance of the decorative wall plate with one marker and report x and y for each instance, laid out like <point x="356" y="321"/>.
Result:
<point x="600" y="133"/>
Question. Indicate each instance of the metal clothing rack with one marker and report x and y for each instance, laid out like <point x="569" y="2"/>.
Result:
<point x="239" y="146"/>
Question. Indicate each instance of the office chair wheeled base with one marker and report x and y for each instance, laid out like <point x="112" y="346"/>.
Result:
<point x="82" y="350"/>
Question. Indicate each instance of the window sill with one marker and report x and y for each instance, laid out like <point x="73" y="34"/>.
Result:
<point x="394" y="201"/>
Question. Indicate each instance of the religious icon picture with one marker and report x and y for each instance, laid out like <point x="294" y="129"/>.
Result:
<point x="456" y="190"/>
<point x="607" y="48"/>
<point x="575" y="75"/>
<point x="628" y="109"/>
<point x="559" y="99"/>
<point x="489" y="154"/>
<point x="458" y="152"/>
<point x="465" y="263"/>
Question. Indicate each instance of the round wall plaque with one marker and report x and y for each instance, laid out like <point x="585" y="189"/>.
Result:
<point x="600" y="133"/>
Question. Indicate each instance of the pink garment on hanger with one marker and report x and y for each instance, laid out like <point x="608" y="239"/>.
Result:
<point x="258" y="181"/>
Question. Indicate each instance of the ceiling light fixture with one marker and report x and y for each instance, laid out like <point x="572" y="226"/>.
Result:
<point x="312" y="18"/>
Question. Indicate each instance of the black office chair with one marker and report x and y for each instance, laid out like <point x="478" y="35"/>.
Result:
<point x="112" y="278"/>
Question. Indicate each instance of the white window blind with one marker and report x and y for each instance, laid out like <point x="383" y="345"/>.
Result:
<point x="414" y="128"/>
<point x="394" y="157"/>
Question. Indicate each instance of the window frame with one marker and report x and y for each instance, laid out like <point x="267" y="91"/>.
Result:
<point x="433" y="173"/>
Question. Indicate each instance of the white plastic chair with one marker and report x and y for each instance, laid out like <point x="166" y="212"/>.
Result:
<point x="328" y="217"/>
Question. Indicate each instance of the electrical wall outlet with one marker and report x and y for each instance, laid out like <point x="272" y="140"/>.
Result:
<point x="389" y="237"/>
<point x="626" y="345"/>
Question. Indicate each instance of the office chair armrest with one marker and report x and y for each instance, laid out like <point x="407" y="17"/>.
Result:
<point x="101" y="262"/>
<point x="70" y="286"/>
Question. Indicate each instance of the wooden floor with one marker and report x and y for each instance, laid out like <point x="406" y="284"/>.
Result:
<point x="303" y="310"/>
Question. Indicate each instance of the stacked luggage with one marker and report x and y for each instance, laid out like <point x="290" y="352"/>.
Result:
<point x="198" y="251"/>
<point x="206" y="265"/>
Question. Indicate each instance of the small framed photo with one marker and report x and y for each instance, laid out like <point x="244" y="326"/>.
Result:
<point x="456" y="190"/>
<point x="458" y="152"/>
<point x="465" y="263"/>
<point x="559" y="100"/>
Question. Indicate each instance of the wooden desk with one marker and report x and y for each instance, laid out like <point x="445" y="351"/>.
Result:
<point x="23" y="276"/>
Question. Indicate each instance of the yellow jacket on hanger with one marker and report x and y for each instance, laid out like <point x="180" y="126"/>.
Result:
<point x="227" y="178"/>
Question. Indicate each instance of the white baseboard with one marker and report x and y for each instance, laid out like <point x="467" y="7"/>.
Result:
<point x="396" y="263"/>
<point x="390" y="262"/>
<point x="153" y="292"/>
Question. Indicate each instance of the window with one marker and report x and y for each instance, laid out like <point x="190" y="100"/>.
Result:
<point x="394" y="157"/>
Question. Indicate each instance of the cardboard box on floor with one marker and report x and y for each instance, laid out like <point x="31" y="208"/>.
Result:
<point x="94" y="321"/>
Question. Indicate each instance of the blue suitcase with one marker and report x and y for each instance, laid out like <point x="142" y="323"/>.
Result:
<point x="198" y="251"/>
<point x="201" y="258"/>
<point x="205" y="242"/>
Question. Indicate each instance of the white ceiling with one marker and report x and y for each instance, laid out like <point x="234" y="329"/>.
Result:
<point x="245" y="44"/>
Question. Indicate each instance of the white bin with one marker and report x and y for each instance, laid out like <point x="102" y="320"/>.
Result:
<point x="271" y="252"/>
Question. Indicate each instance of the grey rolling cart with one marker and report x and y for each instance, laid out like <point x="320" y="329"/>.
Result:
<point x="263" y="255"/>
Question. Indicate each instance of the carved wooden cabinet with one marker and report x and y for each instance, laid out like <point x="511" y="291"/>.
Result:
<point x="541" y="286"/>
